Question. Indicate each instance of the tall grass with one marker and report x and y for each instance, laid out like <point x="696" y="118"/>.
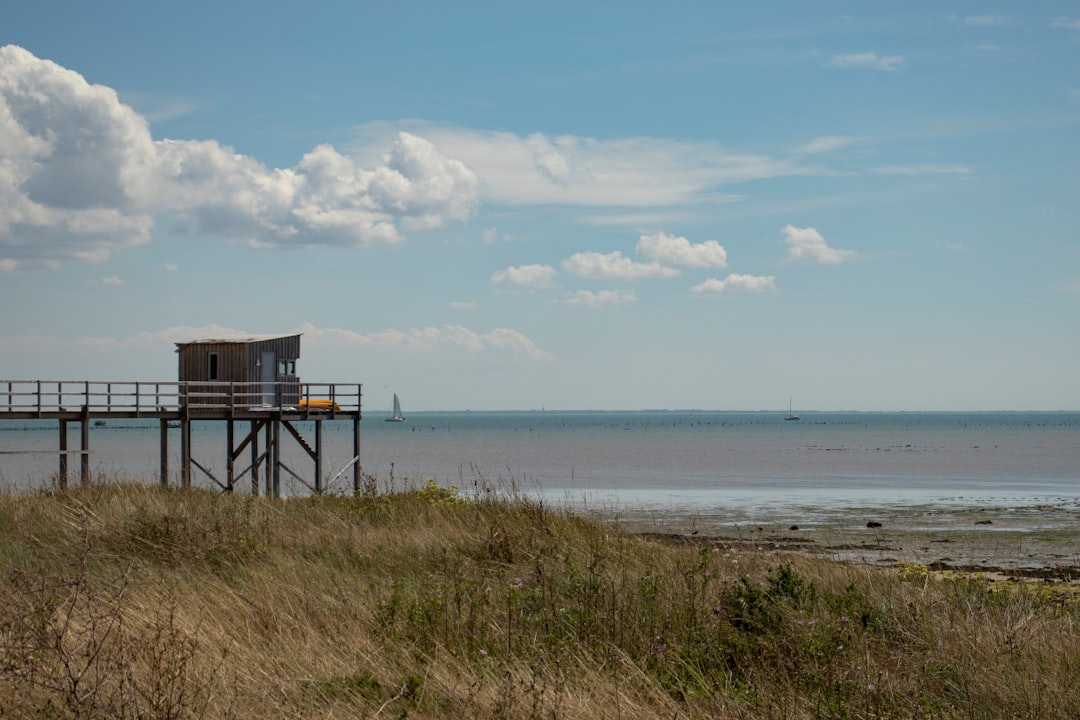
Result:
<point x="132" y="601"/>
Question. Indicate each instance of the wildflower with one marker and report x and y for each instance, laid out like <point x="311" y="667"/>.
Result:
<point x="483" y="652"/>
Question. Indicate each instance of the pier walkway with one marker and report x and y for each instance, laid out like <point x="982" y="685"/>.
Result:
<point x="262" y="408"/>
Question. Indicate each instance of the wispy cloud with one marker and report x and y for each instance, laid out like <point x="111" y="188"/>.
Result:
<point x="587" y="298"/>
<point x="583" y="171"/>
<point x="923" y="169"/>
<point x="1065" y="23"/>
<point x="736" y="283"/>
<point x="868" y="61"/>
<point x="987" y="20"/>
<point x="465" y="305"/>
<point x="808" y="245"/>
<point x="827" y="143"/>
<point x="427" y="339"/>
<point x="113" y="280"/>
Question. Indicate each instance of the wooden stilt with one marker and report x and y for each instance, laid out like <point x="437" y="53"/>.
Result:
<point x="84" y="465"/>
<point x="254" y="458"/>
<point x="62" y="476"/>
<point x="163" y="460"/>
<point x="230" y="468"/>
<point x="356" y="477"/>
<point x="277" y="457"/>
<point x="318" y="457"/>
<point x="185" y="451"/>
<point x="268" y="478"/>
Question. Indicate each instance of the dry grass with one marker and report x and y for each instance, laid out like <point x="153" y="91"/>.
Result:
<point x="131" y="601"/>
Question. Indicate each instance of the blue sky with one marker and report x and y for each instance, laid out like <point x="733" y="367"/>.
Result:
<point x="868" y="206"/>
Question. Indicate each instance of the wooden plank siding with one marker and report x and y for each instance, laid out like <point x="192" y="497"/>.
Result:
<point x="237" y="360"/>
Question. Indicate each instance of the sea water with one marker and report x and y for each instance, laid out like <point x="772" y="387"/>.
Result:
<point x="638" y="459"/>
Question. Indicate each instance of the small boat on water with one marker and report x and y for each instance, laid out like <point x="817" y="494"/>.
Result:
<point x="397" y="416"/>
<point x="99" y="423"/>
<point x="790" y="415"/>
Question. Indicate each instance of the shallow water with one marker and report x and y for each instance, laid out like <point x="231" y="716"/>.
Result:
<point x="675" y="471"/>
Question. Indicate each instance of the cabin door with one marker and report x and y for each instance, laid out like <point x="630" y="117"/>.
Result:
<point x="268" y="376"/>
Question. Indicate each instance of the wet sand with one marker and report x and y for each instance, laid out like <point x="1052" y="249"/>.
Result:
<point x="1033" y="542"/>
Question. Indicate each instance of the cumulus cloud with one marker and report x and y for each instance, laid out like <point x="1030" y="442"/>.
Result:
<point x="680" y="251"/>
<point x="587" y="298"/>
<point x="868" y="61"/>
<point x="572" y="170"/>
<point x="81" y="177"/>
<point x="534" y="276"/>
<point x="737" y="283"/>
<point x="613" y="265"/>
<point x="807" y="245"/>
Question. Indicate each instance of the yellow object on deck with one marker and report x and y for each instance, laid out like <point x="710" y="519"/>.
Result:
<point x="319" y="404"/>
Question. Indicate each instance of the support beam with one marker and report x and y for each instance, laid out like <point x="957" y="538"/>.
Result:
<point x="62" y="476"/>
<point x="84" y="465"/>
<point x="356" y="477"/>
<point x="318" y="457"/>
<point x="185" y="451"/>
<point x="277" y="457"/>
<point x="254" y="436"/>
<point x="163" y="460"/>
<point x="230" y="467"/>
<point x="268" y="478"/>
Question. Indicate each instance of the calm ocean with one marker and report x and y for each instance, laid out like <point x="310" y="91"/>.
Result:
<point x="742" y="464"/>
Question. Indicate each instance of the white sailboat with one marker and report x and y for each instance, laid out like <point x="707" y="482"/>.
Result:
<point x="397" y="416"/>
<point x="790" y="415"/>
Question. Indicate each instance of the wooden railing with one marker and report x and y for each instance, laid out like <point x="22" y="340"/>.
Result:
<point x="49" y="398"/>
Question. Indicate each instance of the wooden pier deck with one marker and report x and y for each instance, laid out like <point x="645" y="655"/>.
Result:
<point x="262" y="407"/>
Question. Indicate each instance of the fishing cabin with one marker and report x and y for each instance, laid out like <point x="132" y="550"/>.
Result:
<point x="261" y="369"/>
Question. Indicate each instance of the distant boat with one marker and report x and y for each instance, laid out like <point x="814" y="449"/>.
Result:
<point x="99" y="423"/>
<point x="397" y="416"/>
<point x="790" y="415"/>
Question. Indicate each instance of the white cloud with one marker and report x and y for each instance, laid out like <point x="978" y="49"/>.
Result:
<point x="868" y="61"/>
<point x="113" y="280"/>
<point x="81" y="176"/>
<point x="807" y="244"/>
<point x="827" y="143"/>
<point x="534" y="276"/>
<point x="737" y="283"/>
<point x="613" y="265"/>
<point x="1066" y="23"/>
<point x="587" y="298"/>
<point x="428" y="340"/>
<point x="680" y="251"/>
<point x="566" y="169"/>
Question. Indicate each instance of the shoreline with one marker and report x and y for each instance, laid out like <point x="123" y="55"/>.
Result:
<point x="1040" y="542"/>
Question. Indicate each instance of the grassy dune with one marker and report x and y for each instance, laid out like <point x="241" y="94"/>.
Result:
<point x="131" y="601"/>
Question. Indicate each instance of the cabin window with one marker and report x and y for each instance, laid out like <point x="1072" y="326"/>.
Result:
<point x="212" y="366"/>
<point x="286" y="367"/>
